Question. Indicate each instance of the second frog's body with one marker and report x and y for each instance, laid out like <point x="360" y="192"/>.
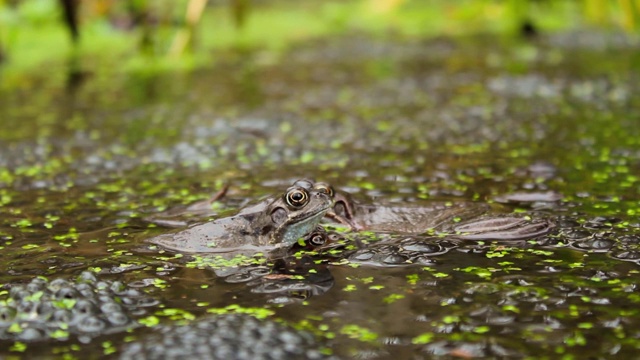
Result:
<point x="462" y="220"/>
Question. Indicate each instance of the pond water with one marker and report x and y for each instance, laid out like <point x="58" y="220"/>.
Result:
<point x="545" y="128"/>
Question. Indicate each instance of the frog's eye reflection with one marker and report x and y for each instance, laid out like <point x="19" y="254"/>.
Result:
<point x="333" y="237"/>
<point x="324" y="188"/>
<point x="297" y="197"/>
<point x="317" y="239"/>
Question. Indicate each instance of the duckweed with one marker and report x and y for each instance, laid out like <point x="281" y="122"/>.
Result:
<point x="445" y="121"/>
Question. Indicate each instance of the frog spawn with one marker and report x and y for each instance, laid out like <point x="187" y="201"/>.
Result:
<point x="596" y="235"/>
<point x="86" y="307"/>
<point x="231" y="336"/>
<point x="411" y="250"/>
<point x="527" y="305"/>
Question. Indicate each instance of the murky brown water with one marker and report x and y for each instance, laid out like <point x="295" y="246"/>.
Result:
<point x="517" y="125"/>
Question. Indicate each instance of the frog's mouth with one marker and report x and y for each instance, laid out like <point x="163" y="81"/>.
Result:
<point x="300" y="225"/>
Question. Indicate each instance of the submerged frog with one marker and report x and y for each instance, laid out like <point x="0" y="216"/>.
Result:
<point x="463" y="220"/>
<point x="272" y="223"/>
<point x="321" y="240"/>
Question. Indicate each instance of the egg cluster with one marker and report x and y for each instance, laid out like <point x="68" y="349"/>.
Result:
<point x="230" y="336"/>
<point x="84" y="306"/>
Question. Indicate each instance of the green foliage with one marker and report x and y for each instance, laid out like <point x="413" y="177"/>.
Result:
<point x="151" y="36"/>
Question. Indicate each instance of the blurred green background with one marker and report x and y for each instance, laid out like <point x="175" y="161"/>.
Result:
<point x="178" y="34"/>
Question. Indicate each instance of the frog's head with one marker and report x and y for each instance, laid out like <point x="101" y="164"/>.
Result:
<point x="297" y="213"/>
<point x="320" y="239"/>
<point x="343" y="206"/>
<point x="342" y="203"/>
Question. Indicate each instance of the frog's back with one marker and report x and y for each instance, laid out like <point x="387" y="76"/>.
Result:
<point x="217" y="236"/>
<point x="416" y="219"/>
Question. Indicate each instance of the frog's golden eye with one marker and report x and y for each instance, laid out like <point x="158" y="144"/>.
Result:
<point x="297" y="197"/>
<point x="324" y="188"/>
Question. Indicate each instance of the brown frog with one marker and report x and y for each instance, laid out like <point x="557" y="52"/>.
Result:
<point x="463" y="220"/>
<point x="276" y="222"/>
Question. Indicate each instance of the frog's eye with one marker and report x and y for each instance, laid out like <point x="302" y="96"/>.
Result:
<point x="333" y="237"/>
<point x="317" y="239"/>
<point x="297" y="197"/>
<point x="324" y="188"/>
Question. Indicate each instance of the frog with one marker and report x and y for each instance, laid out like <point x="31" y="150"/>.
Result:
<point x="321" y="239"/>
<point x="343" y="209"/>
<point x="463" y="219"/>
<point x="275" y="222"/>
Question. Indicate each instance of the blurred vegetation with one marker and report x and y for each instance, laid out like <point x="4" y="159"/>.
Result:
<point x="158" y="34"/>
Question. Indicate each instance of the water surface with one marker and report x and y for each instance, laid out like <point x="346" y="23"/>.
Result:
<point x="548" y="128"/>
